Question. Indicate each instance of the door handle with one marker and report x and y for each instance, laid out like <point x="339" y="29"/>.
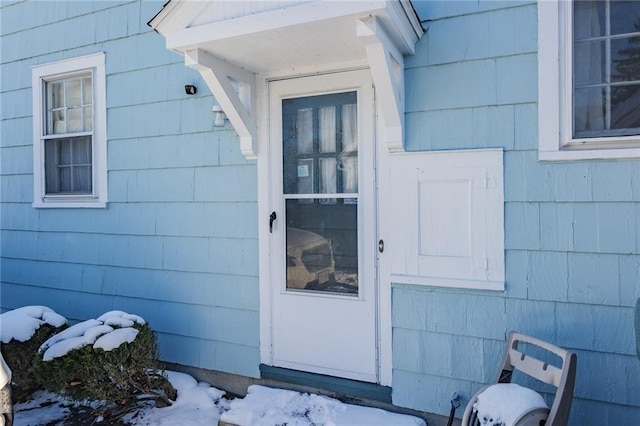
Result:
<point x="272" y="218"/>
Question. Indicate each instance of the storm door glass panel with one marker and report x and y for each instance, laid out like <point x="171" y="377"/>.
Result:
<point x="606" y="68"/>
<point x="320" y="185"/>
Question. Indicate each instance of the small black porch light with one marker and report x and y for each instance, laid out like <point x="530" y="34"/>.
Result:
<point x="190" y="89"/>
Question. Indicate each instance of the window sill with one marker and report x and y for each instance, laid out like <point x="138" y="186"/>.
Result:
<point x="77" y="204"/>
<point x="589" y="154"/>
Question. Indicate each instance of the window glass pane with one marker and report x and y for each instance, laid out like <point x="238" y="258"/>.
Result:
<point x="64" y="174"/>
<point x="74" y="120"/>
<point x="328" y="176"/>
<point x="56" y="91"/>
<point x="322" y="246"/>
<point x="625" y="55"/>
<point x="349" y="128"/>
<point x="625" y="17"/>
<point x="74" y="92"/>
<point x="305" y="176"/>
<point x="82" y="179"/>
<point x="88" y="118"/>
<point x="589" y="19"/>
<point x="304" y="132"/>
<point x="64" y="151"/>
<point x="58" y="123"/>
<point x="87" y="91"/>
<point x="51" y="162"/>
<point x="68" y="168"/>
<point x="69" y="106"/>
<point x="81" y="151"/>
<point x="589" y="63"/>
<point x="625" y="113"/>
<point x="349" y="169"/>
<point x="317" y="131"/>
<point x="606" y="68"/>
<point x="327" y="129"/>
<point x="589" y="109"/>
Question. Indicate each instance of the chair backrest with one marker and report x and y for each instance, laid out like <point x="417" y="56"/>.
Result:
<point x="562" y="378"/>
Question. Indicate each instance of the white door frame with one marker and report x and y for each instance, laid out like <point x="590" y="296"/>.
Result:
<point x="383" y="289"/>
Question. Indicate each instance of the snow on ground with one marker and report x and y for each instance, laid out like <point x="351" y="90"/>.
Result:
<point x="265" y="406"/>
<point x="43" y="408"/>
<point x="492" y="407"/>
<point x="200" y="404"/>
<point x="196" y="404"/>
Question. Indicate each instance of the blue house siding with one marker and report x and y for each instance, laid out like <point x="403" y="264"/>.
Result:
<point x="177" y="243"/>
<point x="572" y="230"/>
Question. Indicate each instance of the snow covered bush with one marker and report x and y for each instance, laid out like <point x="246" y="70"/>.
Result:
<point x="22" y="331"/>
<point x="112" y="358"/>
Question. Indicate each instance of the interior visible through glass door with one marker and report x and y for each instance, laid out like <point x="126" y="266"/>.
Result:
<point x="320" y="183"/>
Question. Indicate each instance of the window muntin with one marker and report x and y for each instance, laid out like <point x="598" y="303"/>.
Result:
<point x="557" y="140"/>
<point x="69" y="126"/>
<point x="320" y="133"/>
<point x="68" y="166"/>
<point x="69" y="105"/>
<point x="606" y="69"/>
<point x="320" y="186"/>
<point x="68" y="160"/>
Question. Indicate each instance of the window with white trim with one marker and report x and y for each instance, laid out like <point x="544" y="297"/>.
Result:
<point x="69" y="125"/>
<point x="589" y="79"/>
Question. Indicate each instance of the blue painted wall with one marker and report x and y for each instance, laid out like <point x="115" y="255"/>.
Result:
<point x="572" y="230"/>
<point x="178" y="241"/>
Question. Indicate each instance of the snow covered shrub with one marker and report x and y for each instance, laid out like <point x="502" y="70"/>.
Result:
<point x="22" y="331"/>
<point x="112" y="358"/>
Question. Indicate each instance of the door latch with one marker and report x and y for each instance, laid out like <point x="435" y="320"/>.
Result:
<point x="272" y="217"/>
<point x="381" y="246"/>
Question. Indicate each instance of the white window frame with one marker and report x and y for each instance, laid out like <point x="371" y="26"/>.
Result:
<point x="555" y="82"/>
<point x="40" y="75"/>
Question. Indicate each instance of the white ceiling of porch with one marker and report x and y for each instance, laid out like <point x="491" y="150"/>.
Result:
<point x="262" y="36"/>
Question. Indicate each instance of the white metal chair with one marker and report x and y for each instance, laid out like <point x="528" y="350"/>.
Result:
<point x="563" y="378"/>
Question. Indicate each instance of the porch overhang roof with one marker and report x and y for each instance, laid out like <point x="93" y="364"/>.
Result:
<point x="231" y="42"/>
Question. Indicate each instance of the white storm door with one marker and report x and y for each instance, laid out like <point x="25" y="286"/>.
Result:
<point x="323" y="233"/>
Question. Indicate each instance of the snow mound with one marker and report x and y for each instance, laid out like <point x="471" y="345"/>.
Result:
<point x="112" y="340"/>
<point x="265" y="406"/>
<point x="505" y="403"/>
<point x="200" y="404"/>
<point x="120" y="319"/>
<point x="108" y="332"/>
<point x="197" y="404"/>
<point x="76" y="330"/>
<point x="21" y="324"/>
